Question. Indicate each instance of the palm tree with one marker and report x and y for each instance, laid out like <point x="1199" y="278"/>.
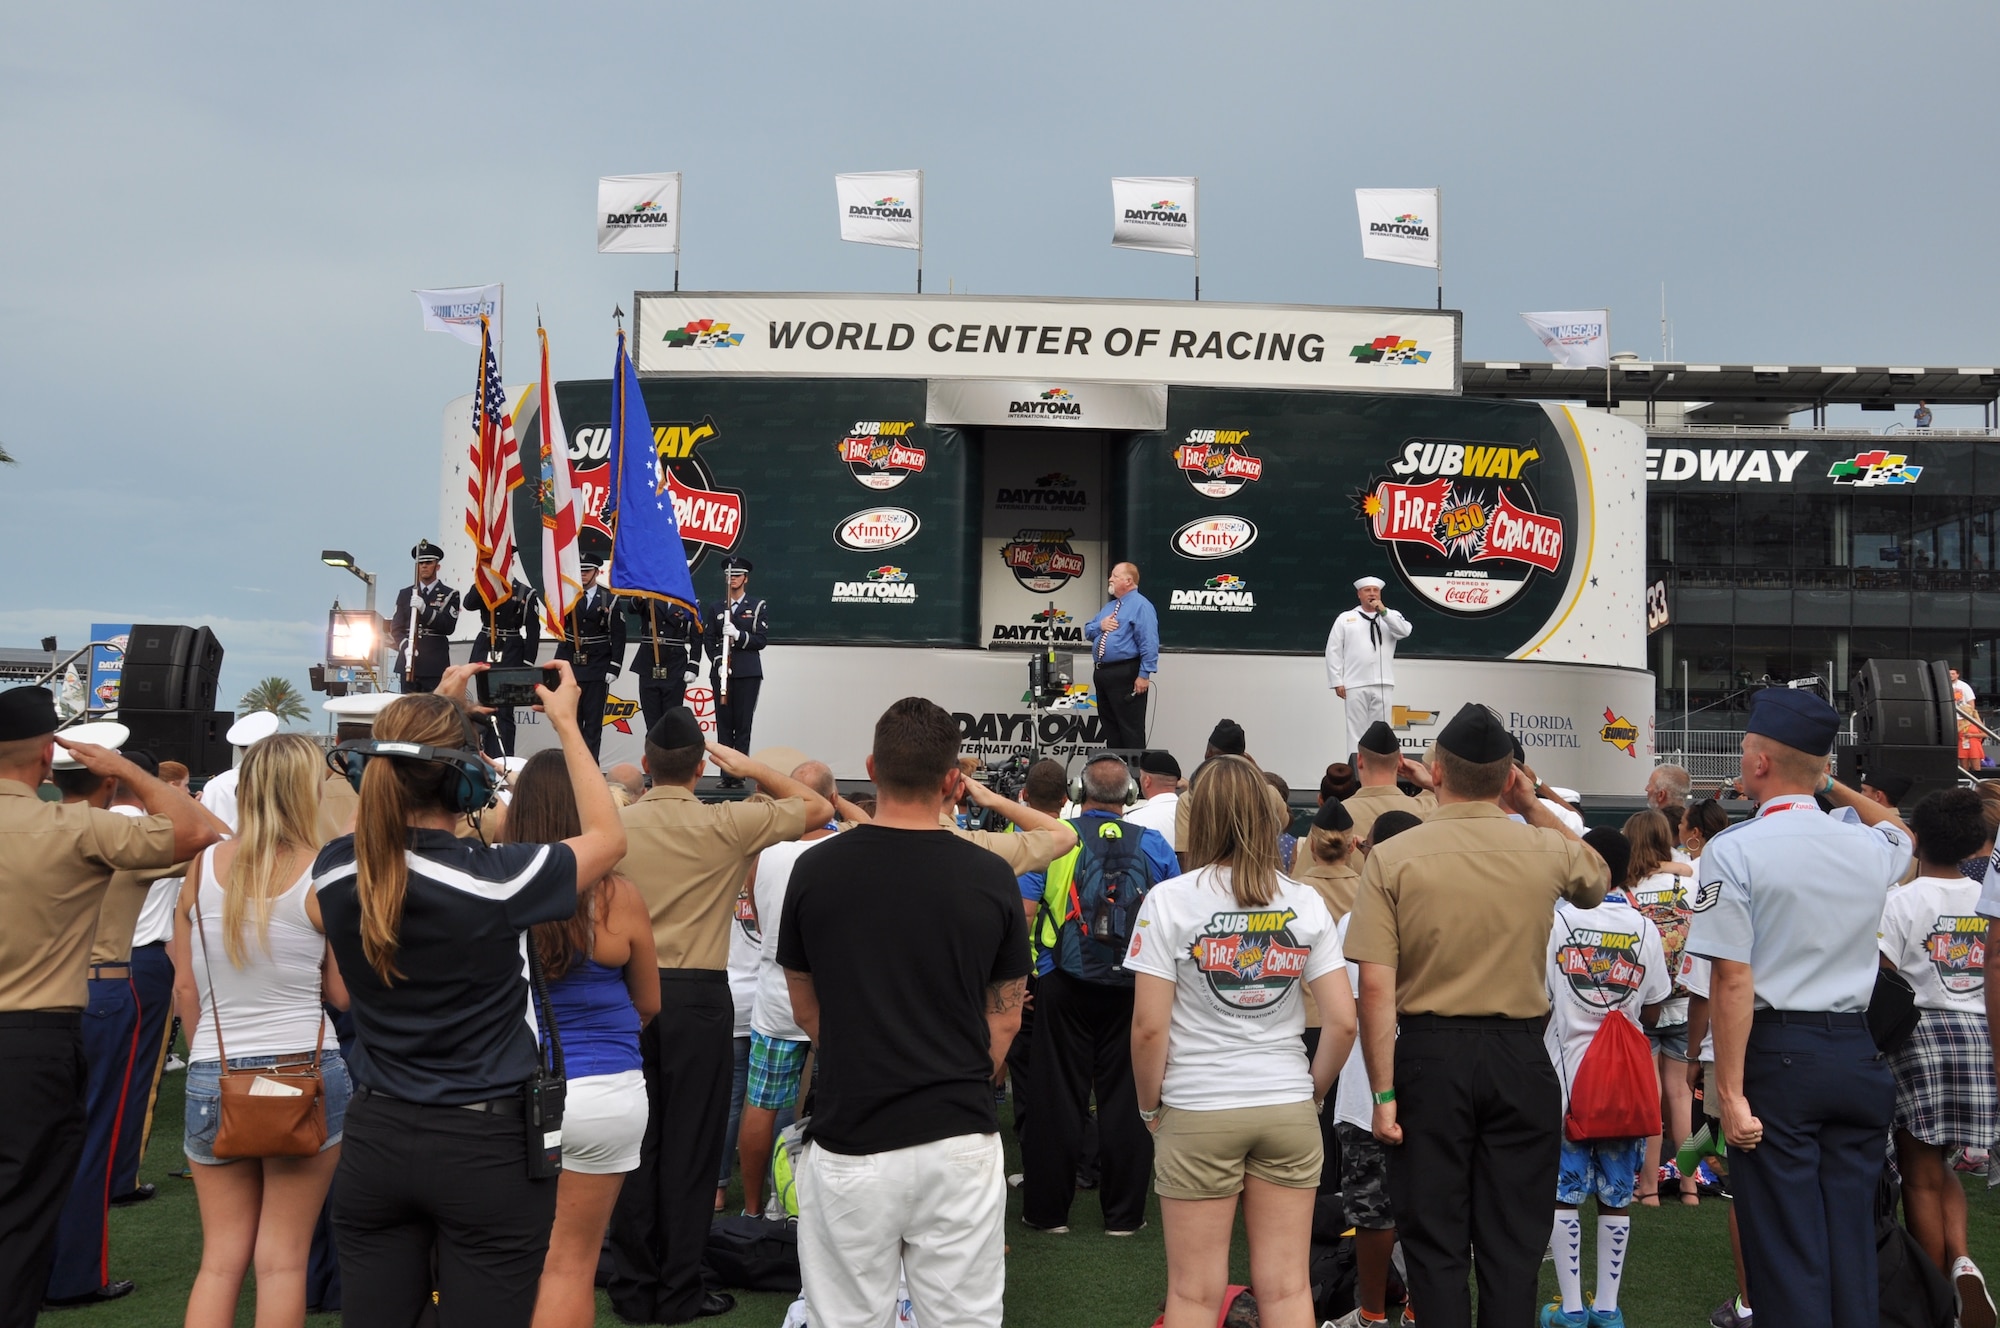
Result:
<point x="278" y="696"/>
<point x="6" y="458"/>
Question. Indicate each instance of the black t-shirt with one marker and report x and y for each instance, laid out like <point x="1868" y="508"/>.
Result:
<point x="459" y="1025"/>
<point x="902" y="931"/>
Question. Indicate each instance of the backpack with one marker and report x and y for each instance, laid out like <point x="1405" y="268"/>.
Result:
<point x="1097" y="886"/>
<point x="1913" y="1293"/>
<point x="1616" y="1093"/>
<point x="755" y="1254"/>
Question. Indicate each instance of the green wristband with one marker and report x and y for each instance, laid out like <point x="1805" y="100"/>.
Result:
<point x="1384" y="1097"/>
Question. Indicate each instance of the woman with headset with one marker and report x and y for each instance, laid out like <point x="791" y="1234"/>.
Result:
<point x="430" y="934"/>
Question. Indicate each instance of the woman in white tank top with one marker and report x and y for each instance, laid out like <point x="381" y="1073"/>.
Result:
<point x="249" y="954"/>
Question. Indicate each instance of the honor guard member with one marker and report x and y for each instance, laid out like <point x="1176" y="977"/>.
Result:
<point x="1361" y="657"/>
<point x="687" y="859"/>
<point x="56" y="862"/>
<point x="507" y="635"/>
<point x="1451" y="929"/>
<point x="668" y="659"/>
<point x="594" y="639"/>
<point x="746" y="624"/>
<point x="1125" y="654"/>
<point x="427" y="611"/>
<point x="1378" y="764"/>
<point x="1787" y="907"/>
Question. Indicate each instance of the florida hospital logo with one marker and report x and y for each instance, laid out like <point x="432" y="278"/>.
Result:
<point x="1471" y="538"/>
<point x="709" y="517"/>
<point x="1056" y="403"/>
<point x="1601" y="967"/>
<point x="883" y="209"/>
<point x="877" y="453"/>
<point x="1215" y="463"/>
<point x="1390" y="350"/>
<point x="1872" y="468"/>
<point x="1226" y="593"/>
<point x="1956" y="948"/>
<point x="1251" y="961"/>
<point x="1620" y="732"/>
<point x="1163" y="212"/>
<point x="887" y="584"/>
<point x="1042" y="560"/>
<point x="703" y="334"/>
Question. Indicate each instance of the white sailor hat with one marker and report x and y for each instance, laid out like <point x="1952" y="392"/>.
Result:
<point x="357" y="707"/>
<point x="1367" y="581"/>
<point x="252" y="728"/>
<point x="511" y="765"/>
<point x="1568" y="795"/>
<point x="102" y="733"/>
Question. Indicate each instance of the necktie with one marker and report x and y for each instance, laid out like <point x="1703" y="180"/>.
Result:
<point x="1104" y="637"/>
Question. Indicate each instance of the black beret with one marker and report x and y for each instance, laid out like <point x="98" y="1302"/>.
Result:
<point x="1797" y="719"/>
<point x="677" y="728"/>
<point x="27" y="712"/>
<point x="1154" y="762"/>
<point x="1476" y="734"/>
<point x="1392" y="823"/>
<point x="425" y="551"/>
<point x="1332" y="816"/>
<point x="1381" y="740"/>
<point x="1228" y="738"/>
<point x="735" y="564"/>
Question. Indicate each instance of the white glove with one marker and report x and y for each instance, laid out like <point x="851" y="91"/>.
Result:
<point x="742" y="637"/>
<point x="693" y="672"/>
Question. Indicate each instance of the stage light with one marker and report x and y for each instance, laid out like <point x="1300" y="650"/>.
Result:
<point x="351" y="637"/>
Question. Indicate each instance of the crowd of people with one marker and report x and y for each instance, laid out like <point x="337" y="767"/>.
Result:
<point x="485" y="1040"/>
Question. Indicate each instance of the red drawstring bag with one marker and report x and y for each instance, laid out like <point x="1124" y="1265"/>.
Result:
<point x="1616" y="1094"/>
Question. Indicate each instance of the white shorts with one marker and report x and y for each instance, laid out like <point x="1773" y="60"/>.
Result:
<point x="604" y="1120"/>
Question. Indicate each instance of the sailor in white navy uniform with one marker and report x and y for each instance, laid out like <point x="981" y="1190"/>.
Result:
<point x="1361" y="658"/>
<point x="1787" y="907"/>
<point x="436" y="619"/>
<point x="744" y="617"/>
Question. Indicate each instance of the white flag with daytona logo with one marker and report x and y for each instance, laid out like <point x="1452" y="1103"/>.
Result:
<point x="882" y="207"/>
<point x="639" y="214"/>
<point x="1399" y="225"/>
<point x="1155" y="212"/>
<point x="1576" y="338"/>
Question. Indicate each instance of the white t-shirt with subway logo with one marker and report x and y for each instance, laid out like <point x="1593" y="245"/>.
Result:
<point x="1600" y="959"/>
<point x="1234" y="1040"/>
<point x="1933" y="934"/>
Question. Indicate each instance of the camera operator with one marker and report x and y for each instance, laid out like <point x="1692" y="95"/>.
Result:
<point x="427" y="929"/>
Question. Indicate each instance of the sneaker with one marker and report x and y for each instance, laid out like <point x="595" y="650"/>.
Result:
<point x="1555" y="1316"/>
<point x="1047" y="1231"/>
<point x="1014" y="1180"/>
<point x="1709" y="1184"/>
<point x="1353" y="1319"/>
<point x="1975" y="1303"/>
<point x="175" y="1063"/>
<point x="1971" y="1161"/>
<point x="1726" y="1315"/>
<point x="1128" y="1231"/>
<point x="1606" y="1318"/>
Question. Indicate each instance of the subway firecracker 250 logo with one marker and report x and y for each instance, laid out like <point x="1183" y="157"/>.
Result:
<point x="1602" y="967"/>
<point x="1042" y="560"/>
<point x="709" y="517"/>
<point x="1250" y="960"/>
<point x="1470" y="538"/>
<point x="877" y="454"/>
<point x="1956" y="947"/>
<point x="1215" y="462"/>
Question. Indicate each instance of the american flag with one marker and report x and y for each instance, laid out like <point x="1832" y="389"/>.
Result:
<point x="496" y="472"/>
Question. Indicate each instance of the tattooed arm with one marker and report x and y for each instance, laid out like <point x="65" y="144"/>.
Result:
<point x="1003" y="1019"/>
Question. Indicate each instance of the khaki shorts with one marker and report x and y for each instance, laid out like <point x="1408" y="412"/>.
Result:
<point x="1206" y="1154"/>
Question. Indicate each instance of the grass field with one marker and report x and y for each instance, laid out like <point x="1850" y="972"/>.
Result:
<point x="1679" y="1267"/>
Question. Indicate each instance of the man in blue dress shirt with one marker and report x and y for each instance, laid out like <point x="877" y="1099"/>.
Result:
<point x="1125" y="654"/>
<point x="1788" y="906"/>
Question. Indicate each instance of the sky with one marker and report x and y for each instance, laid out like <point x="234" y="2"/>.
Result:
<point x="213" y="217"/>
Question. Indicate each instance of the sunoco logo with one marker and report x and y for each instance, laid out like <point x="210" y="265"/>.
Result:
<point x="883" y="585"/>
<point x="1053" y="492"/>
<point x="1057" y="401"/>
<point x="1217" y="537"/>
<point x="1164" y="212"/>
<point x="1219" y="594"/>
<point x="1408" y="226"/>
<point x="877" y="454"/>
<point x="885" y="209"/>
<point x="878" y="528"/>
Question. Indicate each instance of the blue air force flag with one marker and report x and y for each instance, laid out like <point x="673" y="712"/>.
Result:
<point x="647" y="558"/>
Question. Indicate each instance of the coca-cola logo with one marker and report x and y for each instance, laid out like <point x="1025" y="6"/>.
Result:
<point x="877" y="528"/>
<point x="1215" y="537"/>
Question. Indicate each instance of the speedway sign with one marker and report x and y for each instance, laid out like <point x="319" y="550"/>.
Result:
<point x="1193" y="344"/>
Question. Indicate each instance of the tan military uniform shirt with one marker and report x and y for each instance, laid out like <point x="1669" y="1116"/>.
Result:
<point x="56" y="862"/>
<point x="1461" y="908"/>
<point x="118" y="916"/>
<point x="1335" y="881"/>
<point x="338" y="804"/>
<point x="1370" y="801"/>
<point x="688" y="857"/>
<point x="1025" y="850"/>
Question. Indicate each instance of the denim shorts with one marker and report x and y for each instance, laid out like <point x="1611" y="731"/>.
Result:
<point x="1670" y="1041"/>
<point x="204" y="1102"/>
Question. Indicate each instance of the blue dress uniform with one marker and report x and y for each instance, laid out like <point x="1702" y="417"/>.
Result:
<point x="1797" y="896"/>
<point x="436" y="613"/>
<point x="749" y="624"/>
<point x="507" y="635"/>
<point x="595" y="645"/>
<point x="668" y="657"/>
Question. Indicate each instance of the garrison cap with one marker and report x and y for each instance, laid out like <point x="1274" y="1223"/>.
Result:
<point x="1228" y="738"/>
<point x="677" y="728"/>
<point x="27" y="712"/>
<point x="1476" y="734"/>
<point x="1380" y="739"/>
<point x="1332" y="816"/>
<point x="426" y="552"/>
<point x="1797" y="719"/>
<point x="1152" y="761"/>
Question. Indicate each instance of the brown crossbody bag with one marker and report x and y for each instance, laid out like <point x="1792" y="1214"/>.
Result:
<point x="284" y="1118"/>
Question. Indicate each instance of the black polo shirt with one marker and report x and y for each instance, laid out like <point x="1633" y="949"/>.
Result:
<point x="459" y="1025"/>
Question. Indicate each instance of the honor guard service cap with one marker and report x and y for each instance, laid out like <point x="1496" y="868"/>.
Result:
<point x="1156" y="762"/>
<point x="252" y="728"/>
<point x="1380" y="739"/>
<point x="677" y="728"/>
<point x="426" y="552"/>
<point x="1476" y="734"/>
<point x="103" y="733"/>
<point x="1797" y="719"/>
<point x="358" y="707"/>
<point x="27" y="712"/>
<point x="1228" y="738"/>
<point x="1367" y="581"/>
<point x="1332" y="816"/>
<point x="734" y="566"/>
<point x="593" y="548"/>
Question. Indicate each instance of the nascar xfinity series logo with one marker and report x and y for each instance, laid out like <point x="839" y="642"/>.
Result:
<point x="1217" y="537"/>
<point x="1219" y="594"/>
<point x="1042" y="560"/>
<point x="1872" y="468"/>
<point x="704" y="333"/>
<point x="1470" y="538"/>
<point x="877" y="455"/>
<point x="1251" y="960"/>
<point x="886" y="584"/>
<point x="878" y="528"/>
<point x="1215" y="462"/>
<point x="1390" y="350"/>
<point x="1057" y="401"/>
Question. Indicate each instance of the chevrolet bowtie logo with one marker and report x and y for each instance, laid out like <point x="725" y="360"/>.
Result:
<point x="1402" y="717"/>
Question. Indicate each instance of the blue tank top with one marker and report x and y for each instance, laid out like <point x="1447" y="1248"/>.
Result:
<point x="595" y="1019"/>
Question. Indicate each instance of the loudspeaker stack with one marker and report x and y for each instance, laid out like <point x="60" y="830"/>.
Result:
<point x="1907" y="724"/>
<point x="166" y="696"/>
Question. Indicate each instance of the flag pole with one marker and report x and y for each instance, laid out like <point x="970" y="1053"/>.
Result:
<point x="1438" y="221"/>
<point x="920" y="232"/>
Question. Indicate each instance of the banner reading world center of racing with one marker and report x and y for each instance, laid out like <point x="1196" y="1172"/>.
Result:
<point x="1105" y="341"/>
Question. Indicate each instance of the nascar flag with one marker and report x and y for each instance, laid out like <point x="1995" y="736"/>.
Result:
<point x="1155" y="212"/>
<point x="496" y="472"/>
<point x="1576" y="338"/>
<point x="639" y="214"/>
<point x="882" y="207"/>
<point x="647" y="557"/>
<point x="1399" y="225"/>
<point x="562" y="576"/>
<point x="459" y="310"/>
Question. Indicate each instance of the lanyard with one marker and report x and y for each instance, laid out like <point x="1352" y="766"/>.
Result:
<point x="1775" y="807"/>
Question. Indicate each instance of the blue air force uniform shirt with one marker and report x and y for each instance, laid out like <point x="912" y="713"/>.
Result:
<point x="1798" y="896"/>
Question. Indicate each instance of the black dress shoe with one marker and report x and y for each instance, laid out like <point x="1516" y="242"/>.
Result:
<point x="109" y="1291"/>
<point x="714" y="1303"/>
<point x="136" y="1196"/>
